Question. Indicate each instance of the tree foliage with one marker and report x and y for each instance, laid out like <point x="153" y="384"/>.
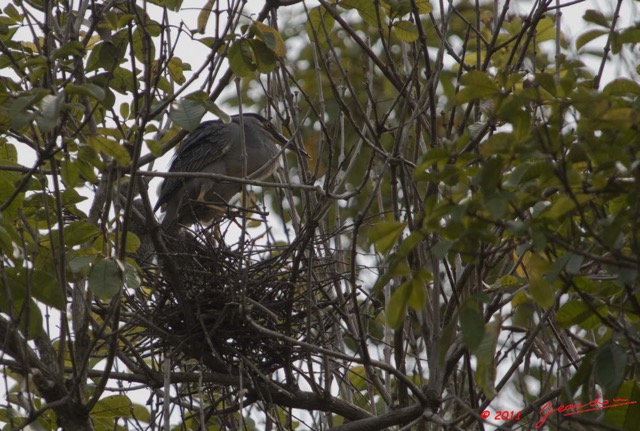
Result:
<point x="463" y="242"/>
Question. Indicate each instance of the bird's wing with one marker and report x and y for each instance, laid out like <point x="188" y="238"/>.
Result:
<point x="210" y="141"/>
<point x="204" y="146"/>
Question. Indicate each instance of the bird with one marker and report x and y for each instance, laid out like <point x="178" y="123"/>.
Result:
<point x="216" y="147"/>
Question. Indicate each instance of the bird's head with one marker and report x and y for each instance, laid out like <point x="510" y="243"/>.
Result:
<point x="268" y="128"/>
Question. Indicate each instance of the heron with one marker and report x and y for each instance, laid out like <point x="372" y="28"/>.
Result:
<point x="216" y="147"/>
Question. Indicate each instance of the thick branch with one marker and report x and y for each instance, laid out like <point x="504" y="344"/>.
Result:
<point x="395" y="417"/>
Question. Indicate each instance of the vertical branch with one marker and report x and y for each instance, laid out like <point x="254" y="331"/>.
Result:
<point x="607" y="46"/>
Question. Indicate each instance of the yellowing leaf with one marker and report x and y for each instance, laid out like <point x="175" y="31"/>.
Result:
<point x="418" y="296"/>
<point x="109" y="147"/>
<point x="203" y="16"/>
<point x="540" y="288"/>
<point x="241" y="58"/>
<point x="113" y="406"/>
<point x="545" y="30"/>
<point x="406" y="31"/>
<point x="271" y="37"/>
<point x="176" y="70"/>
<point x="423" y="6"/>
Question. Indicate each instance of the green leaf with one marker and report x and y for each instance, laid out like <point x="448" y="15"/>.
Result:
<point x="574" y="264"/>
<point x="447" y="337"/>
<point x="80" y="232"/>
<point x="540" y="288"/>
<point x="271" y="38"/>
<point x="472" y="324"/>
<point x="441" y="248"/>
<point x="264" y="58"/>
<point x="545" y="30"/>
<point x="490" y="174"/>
<point x="113" y="406"/>
<point x="397" y="306"/>
<point x="384" y="235"/>
<point x="477" y="85"/>
<point x="131" y="277"/>
<point x="423" y="6"/>
<point x="499" y="143"/>
<point x="13" y="13"/>
<point x="187" y="113"/>
<point x="7" y="187"/>
<point x="508" y="281"/>
<point x="46" y="289"/>
<point x="395" y="268"/>
<point x="122" y="81"/>
<point x="523" y="317"/>
<point x="397" y="8"/>
<point x="8" y="152"/>
<point x="50" y="112"/>
<point x="588" y="36"/>
<point x="133" y="242"/>
<point x="418" y="293"/>
<point x="622" y="87"/>
<point x="86" y="89"/>
<point x="79" y="264"/>
<point x="109" y="147"/>
<point x="626" y="415"/>
<point x="366" y="9"/>
<point x="175" y="68"/>
<point x="105" y="55"/>
<point x="30" y="319"/>
<point x="75" y="48"/>
<point x="610" y="367"/>
<point x="203" y="16"/>
<point x="6" y="244"/>
<point x="21" y="308"/>
<point x="319" y="24"/>
<point x="617" y="118"/>
<point x="596" y="17"/>
<point x="173" y="5"/>
<point x="559" y="208"/>
<point x="486" y="354"/>
<point x="241" y="59"/>
<point x="140" y="413"/>
<point x="217" y="111"/>
<point x="406" y="31"/>
<point x="155" y="147"/>
<point x="69" y="172"/>
<point x="572" y="313"/>
<point x="496" y="206"/>
<point x="357" y="377"/>
<point x="105" y="278"/>
<point x="124" y="110"/>
<point x="142" y="43"/>
<point x="629" y="35"/>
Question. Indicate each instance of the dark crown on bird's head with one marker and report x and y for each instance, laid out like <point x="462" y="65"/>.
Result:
<point x="266" y="125"/>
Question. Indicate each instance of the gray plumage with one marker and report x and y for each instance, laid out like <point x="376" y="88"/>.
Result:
<point x="215" y="147"/>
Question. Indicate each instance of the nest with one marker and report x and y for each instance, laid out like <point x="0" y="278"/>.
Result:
<point x="228" y="304"/>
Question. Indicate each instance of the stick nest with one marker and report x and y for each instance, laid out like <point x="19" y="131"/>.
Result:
<point x="244" y="301"/>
